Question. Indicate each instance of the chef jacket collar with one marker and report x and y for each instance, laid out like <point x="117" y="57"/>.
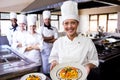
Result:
<point x="67" y="39"/>
<point x="48" y="26"/>
<point x="14" y="28"/>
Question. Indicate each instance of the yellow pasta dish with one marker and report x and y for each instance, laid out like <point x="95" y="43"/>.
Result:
<point x="33" y="77"/>
<point x="69" y="73"/>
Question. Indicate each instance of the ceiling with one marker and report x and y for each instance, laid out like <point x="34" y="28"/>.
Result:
<point x="14" y="5"/>
<point x="37" y="6"/>
<point x="54" y="5"/>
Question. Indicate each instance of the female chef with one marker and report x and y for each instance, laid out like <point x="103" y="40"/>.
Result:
<point x="34" y="41"/>
<point x="73" y="47"/>
<point x="19" y="36"/>
<point x="50" y="34"/>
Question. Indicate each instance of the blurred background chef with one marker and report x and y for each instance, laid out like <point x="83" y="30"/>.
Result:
<point x="50" y="34"/>
<point x="73" y="48"/>
<point x="34" y="41"/>
<point x="19" y="37"/>
<point x="13" y="27"/>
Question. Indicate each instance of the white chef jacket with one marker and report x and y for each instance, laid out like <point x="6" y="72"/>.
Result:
<point x="10" y="33"/>
<point x="81" y="50"/>
<point x="34" y="55"/>
<point x="48" y="33"/>
<point x="21" y="37"/>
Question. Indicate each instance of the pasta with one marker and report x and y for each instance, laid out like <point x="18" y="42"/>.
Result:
<point x="68" y="73"/>
<point x="33" y="77"/>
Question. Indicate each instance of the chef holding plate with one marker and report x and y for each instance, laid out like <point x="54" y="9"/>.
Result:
<point x="73" y="48"/>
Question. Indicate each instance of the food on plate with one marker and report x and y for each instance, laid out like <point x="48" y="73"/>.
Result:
<point x="33" y="77"/>
<point x="105" y="41"/>
<point x="69" y="73"/>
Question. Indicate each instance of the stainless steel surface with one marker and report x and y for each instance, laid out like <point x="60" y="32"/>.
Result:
<point x="108" y="48"/>
<point x="13" y="64"/>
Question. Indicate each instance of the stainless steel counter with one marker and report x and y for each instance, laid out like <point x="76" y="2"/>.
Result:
<point x="14" y="64"/>
<point x="108" y="48"/>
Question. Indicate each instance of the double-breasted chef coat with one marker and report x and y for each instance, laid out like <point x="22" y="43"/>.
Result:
<point x="34" y="55"/>
<point x="10" y="32"/>
<point x="81" y="50"/>
<point x="27" y="39"/>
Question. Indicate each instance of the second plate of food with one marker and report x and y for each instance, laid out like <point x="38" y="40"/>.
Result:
<point x="34" y="76"/>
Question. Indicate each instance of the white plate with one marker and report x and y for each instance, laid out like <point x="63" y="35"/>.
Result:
<point x="81" y="70"/>
<point x="42" y="76"/>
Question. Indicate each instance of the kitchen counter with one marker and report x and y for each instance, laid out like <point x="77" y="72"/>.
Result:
<point x="109" y="58"/>
<point x="14" y="64"/>
<point x="108" y="55"/>
<point x="107" y="47"/>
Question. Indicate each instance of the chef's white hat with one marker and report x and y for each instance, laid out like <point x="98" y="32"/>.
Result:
<point x="69" y="10"/>
<point x="46" y="14"/>
<point x="13" y="15"/>
<point x="31" y="19"/>
<point x="22" y="18"/>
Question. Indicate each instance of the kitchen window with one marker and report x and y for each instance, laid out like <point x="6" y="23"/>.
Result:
<point x="4" y="23"/>
<point x="93" y="22"/>
<point x="55" y="21"/>
<point x="107" y="21"/>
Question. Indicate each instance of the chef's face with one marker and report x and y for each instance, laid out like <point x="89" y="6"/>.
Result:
<point x="22" y="26"/>
<point x="70" y="26"/>
<point x="13" y="21"/>
<point x="47" y="21"/>
<point x="32" y="28"/>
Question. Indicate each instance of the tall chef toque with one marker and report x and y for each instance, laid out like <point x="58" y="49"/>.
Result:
<point x="13" y="15"/>
<point x="69" y="10"/>
<point x="31" y="19"/>
<point x="46" y="14"/>
<point x="22" y="18"/>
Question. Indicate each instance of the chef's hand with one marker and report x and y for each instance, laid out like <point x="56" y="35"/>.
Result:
<point x="19" y="45"/>
<point x="29" y="48"/>
<point x="53" y="64"/>
<point x="36" y="46"/>
<point x="89" y="67"/>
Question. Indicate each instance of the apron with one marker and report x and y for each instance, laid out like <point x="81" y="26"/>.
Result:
<point x="46" y="51"/>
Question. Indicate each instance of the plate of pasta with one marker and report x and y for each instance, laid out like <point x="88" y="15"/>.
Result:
<point x="68" y="71"/>
<point x="34" y="76"/>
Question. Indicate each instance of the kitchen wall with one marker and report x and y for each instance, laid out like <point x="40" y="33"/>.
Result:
<point x="84" y="16"/>
<point x="118" y="21"/>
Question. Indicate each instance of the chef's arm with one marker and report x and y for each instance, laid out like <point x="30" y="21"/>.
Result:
<point x="28" y="48"/>
<point x="49" y="39"/>
<point x="31" y="47"/>
<point x="19" y="44"/>
<point x="89" y="66"/>
<point x="36" y="46"/>
<point x="53" y="64"/>
<point x="52" y="40"/>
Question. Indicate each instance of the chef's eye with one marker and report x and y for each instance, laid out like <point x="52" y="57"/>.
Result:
<point x="66" y="23"/>
<point x="70" y="23"/>
<point x="73" y="23"/>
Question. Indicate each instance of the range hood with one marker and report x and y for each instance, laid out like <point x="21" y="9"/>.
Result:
<point x="54" y="5"/>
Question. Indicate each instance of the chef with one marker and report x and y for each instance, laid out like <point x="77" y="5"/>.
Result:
<point x="13" y="26"/>
<point x="73" y="48"/>
<point x="19" y="37"/>
<point x="50" y="34"/>
<point x="34" y="41"/>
